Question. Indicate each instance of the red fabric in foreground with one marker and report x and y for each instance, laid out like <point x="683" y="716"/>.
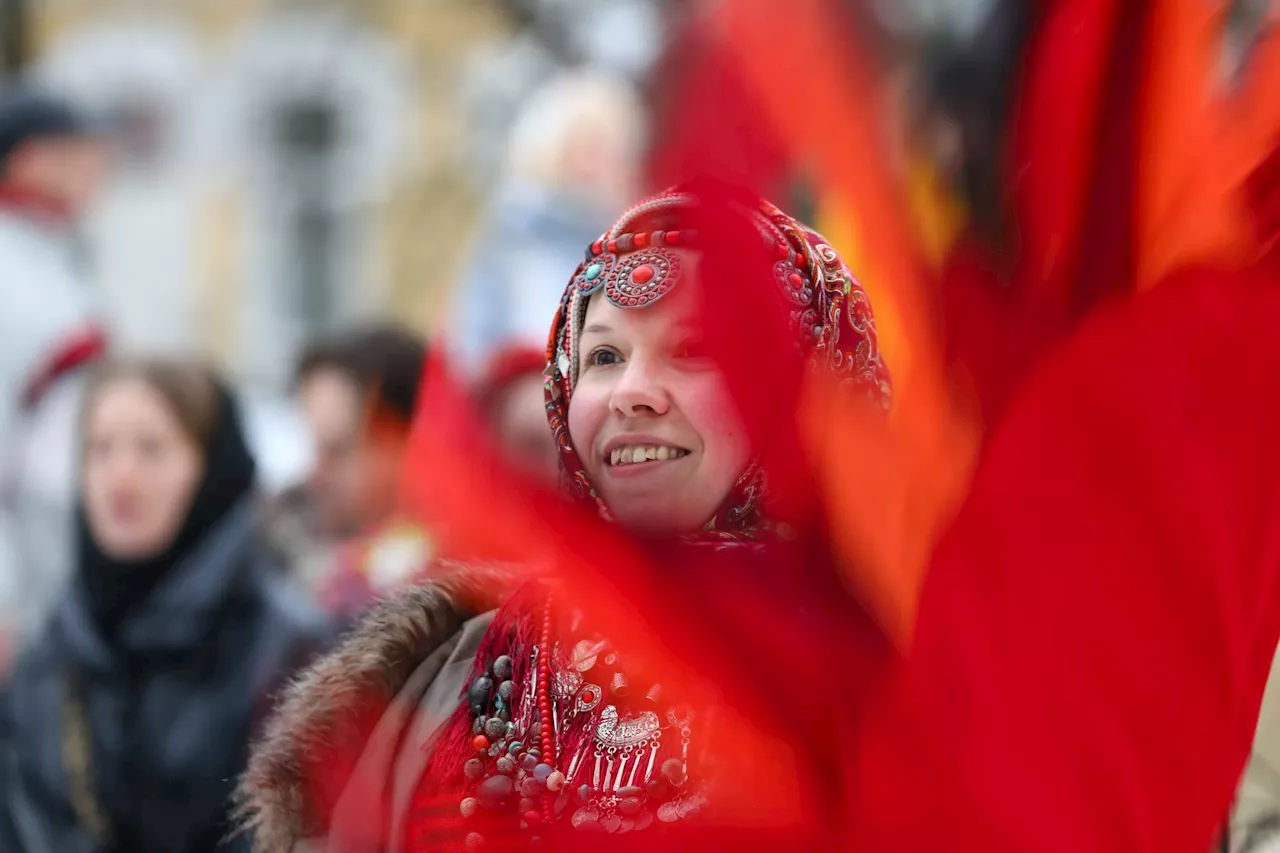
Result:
<point x="1097" y="626"/>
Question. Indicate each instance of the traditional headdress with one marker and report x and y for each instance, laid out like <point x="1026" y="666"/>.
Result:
<point x="633" y="266"/>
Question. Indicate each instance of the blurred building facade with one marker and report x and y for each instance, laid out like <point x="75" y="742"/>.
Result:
<point x="284" y="166"/>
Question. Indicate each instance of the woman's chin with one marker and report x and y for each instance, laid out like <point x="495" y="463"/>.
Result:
<point x="658" y="519"/>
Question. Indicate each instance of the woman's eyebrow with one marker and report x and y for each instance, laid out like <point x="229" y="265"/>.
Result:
<point x="597" y="329"/>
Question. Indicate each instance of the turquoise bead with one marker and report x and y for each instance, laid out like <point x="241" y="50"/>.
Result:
<point x="593" y="272"/>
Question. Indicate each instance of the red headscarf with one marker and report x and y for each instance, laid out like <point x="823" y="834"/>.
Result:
<point x="633" y="265"/>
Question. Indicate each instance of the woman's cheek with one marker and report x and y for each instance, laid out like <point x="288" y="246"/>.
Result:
<point x="587" y="411"/>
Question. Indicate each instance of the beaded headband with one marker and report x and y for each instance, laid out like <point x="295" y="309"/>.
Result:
<point x="634" y="270"/>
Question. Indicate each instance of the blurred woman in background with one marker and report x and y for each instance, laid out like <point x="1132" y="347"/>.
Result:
<point x="127" y="721"/>
<point x="512" y="398"/>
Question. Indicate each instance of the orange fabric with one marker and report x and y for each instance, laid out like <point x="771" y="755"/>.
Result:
<point x="879" y="545"/>
<point x="1200" y="142"/>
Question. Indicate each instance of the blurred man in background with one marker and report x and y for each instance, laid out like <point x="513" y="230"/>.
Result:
<point x="51" y="166"/>
<point x="358" y="390"/>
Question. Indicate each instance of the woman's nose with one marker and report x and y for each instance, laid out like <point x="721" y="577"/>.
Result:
<point x="641" y="389"/>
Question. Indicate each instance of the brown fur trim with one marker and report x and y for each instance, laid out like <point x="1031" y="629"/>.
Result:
<point x="311" y="743"/>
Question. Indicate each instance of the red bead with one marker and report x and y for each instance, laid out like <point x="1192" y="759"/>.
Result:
<point x="782" y="250"/>
<point x="532" y="818"/>
<point x="643" y="274"/>
<point x="596" y="247"/>
<point x="796" y="280"/>
<point x="480" y="742"/>
<point x="673" y="238"/>
<point x="613" y="246"/>
<point x="588" y="696"/>
<point x="642" y="240"/>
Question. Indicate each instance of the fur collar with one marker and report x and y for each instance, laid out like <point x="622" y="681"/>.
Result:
<point x="312" y="741"/>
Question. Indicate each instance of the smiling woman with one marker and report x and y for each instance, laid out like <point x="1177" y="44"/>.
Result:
<point x="658" y="432"/>
<point x="525" y="721"/>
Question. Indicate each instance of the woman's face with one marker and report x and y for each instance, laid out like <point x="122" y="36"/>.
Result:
<point x="140" y="470"/>
<point x="651" y="417"/>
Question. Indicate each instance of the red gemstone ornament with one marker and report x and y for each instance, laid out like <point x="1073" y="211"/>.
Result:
<point x="642" y="240"/>
<point x="480" y="742"/>
<point x="643" y="274"/>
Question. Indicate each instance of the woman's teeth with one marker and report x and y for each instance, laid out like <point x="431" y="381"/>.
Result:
<point x="632" y="455"/>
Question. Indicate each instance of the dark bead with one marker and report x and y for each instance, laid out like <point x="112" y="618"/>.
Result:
<point x="477" y="725"/>
<point x="535" y="730"/>
<point x="584" y="792"/>
<point x="515" y="747"/>
<point x="502" y="667"/>
<point x="529" y="761"/>
<point x="541" y="772"/>
<point x="657" y="789"/>
<point x="629" y="805"/>
<point x="532" y="818"/>
<point x="630" y="791"/>
<point x="475" y="841"/>
<point x="494" y="791"/>
<point x="506" y="765"/>
<point x="530" y="788"/>
<point x="474" y="769"/>
<point x="478" y="693"/>
<point x="526" y="805"/>
<point x="494" y="727"/>
<point x="505" y="689"/>
<point x="535" y="752"/>
<point x="674" y="771"/>
<point x="496" y="750"/>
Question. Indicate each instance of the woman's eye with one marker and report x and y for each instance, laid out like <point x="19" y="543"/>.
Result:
<point x="603" y="357"/>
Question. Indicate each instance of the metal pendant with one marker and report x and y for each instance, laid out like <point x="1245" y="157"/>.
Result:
<point x="583" y="816"/>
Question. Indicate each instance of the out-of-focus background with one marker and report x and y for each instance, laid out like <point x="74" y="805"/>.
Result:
<point x="286" y="167"/>
<point x="281" y="169"/>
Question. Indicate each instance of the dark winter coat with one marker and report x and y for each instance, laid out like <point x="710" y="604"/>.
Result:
<point x="135" y="744"/>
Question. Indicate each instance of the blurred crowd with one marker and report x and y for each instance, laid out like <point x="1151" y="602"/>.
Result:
<point x="157" y="587"/>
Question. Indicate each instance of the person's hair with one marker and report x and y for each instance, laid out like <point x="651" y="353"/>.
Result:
<point x="384" y="359"/>
<point x="189" y="389"/>
<point x="28" y="114"/>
